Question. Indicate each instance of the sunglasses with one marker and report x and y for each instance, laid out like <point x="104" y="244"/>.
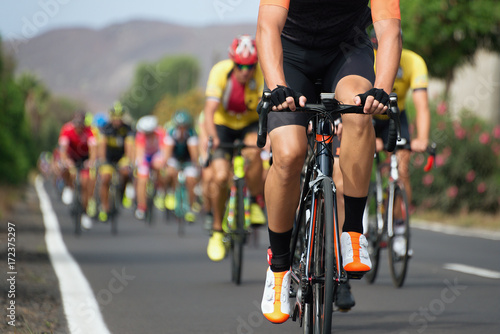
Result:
<point x="246" y="67"/>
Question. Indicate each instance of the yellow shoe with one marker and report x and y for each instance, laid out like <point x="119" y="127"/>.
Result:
<point x="190" y="217"/>
<point x="257" y="216"/>
<point x="170" y="202"/>
<point x="216" y="249"/>
<point x="158" y="202"/>
<point x="103" y="216"/>
<point x="126" y="202"/>
<point x="91" y="208"/>
<point x="196" y="207"/>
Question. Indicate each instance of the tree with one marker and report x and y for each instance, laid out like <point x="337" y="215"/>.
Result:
<point x="447" y="33"/>
<point x="172" y="75"/>
<point x="36" y="95"/>
<point x="192" y="101"/>
<point x="16" y="150"/>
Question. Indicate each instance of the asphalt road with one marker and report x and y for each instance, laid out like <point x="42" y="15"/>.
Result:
<point x="150" y="280"/>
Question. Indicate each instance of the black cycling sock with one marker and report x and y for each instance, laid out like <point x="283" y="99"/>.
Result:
<point x="354" y="208"/>
<point x="280" y="248"/>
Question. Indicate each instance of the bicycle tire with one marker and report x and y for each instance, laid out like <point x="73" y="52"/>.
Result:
<point x="77" y="208"/>
<point x="371" y="233"/>
<point x="149" y="211"/>
<point x="150" y="195"/>
<point x="180" y="198"/>
<point x="113" y="208"/>
<point x="238" y="235"/>
<point x="298" y="246"/>
<point x="78" y="211"/>
<point x="324" y="259"/>
<point x="398" y="264"/>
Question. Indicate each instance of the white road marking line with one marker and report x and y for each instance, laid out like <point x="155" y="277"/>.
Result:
<point x="454" y="230"/>
<point x="80" y="306"/>
<point x="472" y="270"/>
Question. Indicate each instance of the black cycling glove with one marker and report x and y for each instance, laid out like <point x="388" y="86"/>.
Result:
<point x="379" y="94"/>
<point x="280" y="93"/>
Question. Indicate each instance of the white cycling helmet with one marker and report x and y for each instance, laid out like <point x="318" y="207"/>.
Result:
<point x="147" y="124"/>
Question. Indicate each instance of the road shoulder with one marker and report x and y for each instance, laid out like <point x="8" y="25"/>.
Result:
<point x="38" y="303"/>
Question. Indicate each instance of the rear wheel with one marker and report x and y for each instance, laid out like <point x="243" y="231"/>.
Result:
<point x="399" y="243"/>
<point x="371" y="232"/>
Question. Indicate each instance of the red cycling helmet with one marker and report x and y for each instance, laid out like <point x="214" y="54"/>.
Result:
<point x="243" y="50"/>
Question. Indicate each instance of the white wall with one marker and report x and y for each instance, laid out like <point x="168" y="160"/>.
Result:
<point x="476" y="87"/>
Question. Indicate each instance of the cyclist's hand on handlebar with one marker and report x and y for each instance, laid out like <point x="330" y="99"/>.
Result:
<point x="375" y="100"/>
<point x="419" y="145"/>
<point x="215" y="142"/>
<point x="283" y="97"/>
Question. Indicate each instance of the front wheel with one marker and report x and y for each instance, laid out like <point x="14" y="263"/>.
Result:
<point x="238" y="235"/>
<point x="399" y="243"/>
<point x="324" y="258"/>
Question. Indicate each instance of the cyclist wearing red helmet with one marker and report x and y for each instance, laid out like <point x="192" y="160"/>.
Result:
<point x="234" y="89"/>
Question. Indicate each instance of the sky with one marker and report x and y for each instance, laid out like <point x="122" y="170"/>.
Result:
<point x="28" y="18"/>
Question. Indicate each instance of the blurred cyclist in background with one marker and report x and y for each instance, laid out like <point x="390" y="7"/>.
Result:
<point x="77" y="147"/>
<point x="412" y="76"/>
<point x="150" y="153"/>
<point x="182" y="154"/>
<point x="234" y="89"/>
<point x="116" y="151"/>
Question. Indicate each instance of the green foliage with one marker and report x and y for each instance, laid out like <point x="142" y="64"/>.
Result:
<point x="192" y="101"/>
<point x="447" y="33"/>
<point x="172" y="75"/>
<point x="466" y="176"/>
<point x="16" y="150"/>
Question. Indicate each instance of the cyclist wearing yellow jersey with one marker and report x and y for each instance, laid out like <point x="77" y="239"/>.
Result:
<point x="412" y="75"/>
<point x="116" y="149"/>
<point x="234" y="89"/>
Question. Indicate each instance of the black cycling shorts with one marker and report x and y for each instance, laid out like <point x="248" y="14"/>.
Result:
<point x="303" y="68"/>
<point x="228" y="135"/>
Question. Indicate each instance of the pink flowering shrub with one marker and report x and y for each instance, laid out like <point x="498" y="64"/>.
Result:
<point x="466" y="174"/>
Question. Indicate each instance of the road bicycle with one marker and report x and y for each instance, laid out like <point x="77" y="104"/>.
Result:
<point x="182" y="206"/>
<point x="317" y="271"/>
<point x="115" y="199"/>
<point x="151" y="188"/>
<point x="386" y="219"/>
<point x="77" y="209"/>
<point x="236" y="223"/>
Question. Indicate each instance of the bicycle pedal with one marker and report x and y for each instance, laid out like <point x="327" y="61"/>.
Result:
<point x="356" y="274"/>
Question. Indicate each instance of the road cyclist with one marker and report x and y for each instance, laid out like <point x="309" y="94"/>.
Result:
<point x="77" y="153"/>
<point x="233" y="91"/>
<point x="150" y="157"/>
<point x="300" y="42"/>
<point x="116" y="150"/>
<point x="182" y="156"/>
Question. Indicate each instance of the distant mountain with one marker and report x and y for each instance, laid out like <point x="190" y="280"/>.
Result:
<point x="97" y="66"/>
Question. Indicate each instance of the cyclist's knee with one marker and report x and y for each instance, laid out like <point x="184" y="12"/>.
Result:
<point x="288" y="163"/>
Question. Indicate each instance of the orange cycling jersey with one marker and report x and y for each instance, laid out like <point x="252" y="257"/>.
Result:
<point x="326" y="23"/>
